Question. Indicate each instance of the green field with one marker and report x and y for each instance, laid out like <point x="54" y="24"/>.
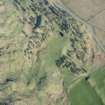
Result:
<point x="98" y="81"/>
<point x="83" y="94"/>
